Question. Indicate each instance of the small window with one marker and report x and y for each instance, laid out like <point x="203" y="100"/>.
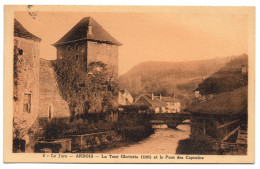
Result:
<point x="27" y="103"/>
<point x="77" y="57"/>
<point x="69" y="48"/>
<point x="20" y="51"/>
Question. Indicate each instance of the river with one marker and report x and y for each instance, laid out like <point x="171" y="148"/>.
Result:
<point x="163" y="141"/>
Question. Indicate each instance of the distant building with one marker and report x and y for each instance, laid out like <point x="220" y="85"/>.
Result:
<point x="25" y="88"/>
<point x="159" y="104"/>
<point x="197" y="93"/>
<point x="152" y="102"/>
<point x="88" y="42"/>
<point x="124" y="97"/>
<point x="173" y="105"/>
<point x="202" y="96"/>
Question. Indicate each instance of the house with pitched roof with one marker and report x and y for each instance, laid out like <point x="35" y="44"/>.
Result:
<point x="160" y="104"/>
<point x="173" y="105"/>
<point x="152" y="102"/>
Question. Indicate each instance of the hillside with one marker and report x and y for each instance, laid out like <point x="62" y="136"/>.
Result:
<point x="169" y="78"/>
<point x="228" y="78"/>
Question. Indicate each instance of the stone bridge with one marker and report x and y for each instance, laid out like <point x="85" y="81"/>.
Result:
<point x="172" y="120"/>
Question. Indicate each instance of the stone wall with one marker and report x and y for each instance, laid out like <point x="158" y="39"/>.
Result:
<point x="106" y="53"/>
<point x="25" y="87"/>
<point x="76" y="51"/>
<point x="53" y="146"/>
<point x="78" y="143"/>
<point x="93" y="140"/>
<point x="51" y="103"/>
<point x="85" y="52"/>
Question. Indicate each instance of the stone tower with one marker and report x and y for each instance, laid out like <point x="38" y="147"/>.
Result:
<point x="88" y="42"/>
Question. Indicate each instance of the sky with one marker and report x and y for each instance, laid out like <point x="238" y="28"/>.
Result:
<point x="180" y="34"/>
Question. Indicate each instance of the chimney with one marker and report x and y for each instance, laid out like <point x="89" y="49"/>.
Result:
<point x="160" y="97"/>
<point x="89" y="30"/>
<point x="152" y="96"/>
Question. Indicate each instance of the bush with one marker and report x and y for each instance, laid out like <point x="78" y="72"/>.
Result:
<point x="86" y="90"/>
<point x="134" y="127"/>
<point x="60" y="128"/>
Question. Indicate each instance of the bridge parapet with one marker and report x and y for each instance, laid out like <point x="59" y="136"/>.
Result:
<point x="172" y="120"/>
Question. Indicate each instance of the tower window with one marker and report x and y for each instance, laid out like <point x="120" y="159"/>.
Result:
<point x="77" y="57"/>
<point x="20" y="52"/>
<point x="69" y="48"/>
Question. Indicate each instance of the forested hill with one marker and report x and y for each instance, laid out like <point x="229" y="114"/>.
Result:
<point x="169" y="78"/>
<point x="228" y="78"/>
<point x="140" y="76"/>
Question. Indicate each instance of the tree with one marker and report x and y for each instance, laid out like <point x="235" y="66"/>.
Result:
<point x="87" y="91"/>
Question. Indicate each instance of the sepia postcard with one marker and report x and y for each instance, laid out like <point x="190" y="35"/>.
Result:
<point x="129" y="84"/>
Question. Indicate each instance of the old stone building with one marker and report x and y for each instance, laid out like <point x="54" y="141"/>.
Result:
<point x="37" y="95"/>
<point x="85" y="43"/>
<point x="25" y="87"/>
<point x="88" y="42"/>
